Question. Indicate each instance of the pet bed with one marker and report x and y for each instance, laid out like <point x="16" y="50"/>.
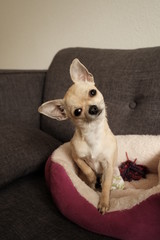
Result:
<point x="134" y="211"/>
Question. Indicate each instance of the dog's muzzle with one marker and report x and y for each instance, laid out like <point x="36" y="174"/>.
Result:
<point x="93" y="110"/>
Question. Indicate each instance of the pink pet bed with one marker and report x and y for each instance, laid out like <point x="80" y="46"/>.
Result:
<point x="134" y="211"/>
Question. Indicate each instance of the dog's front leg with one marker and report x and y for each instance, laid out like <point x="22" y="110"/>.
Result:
<point x="159" y="172"/>
<point x="107" y="178"/>
<point x="88" y="172"/>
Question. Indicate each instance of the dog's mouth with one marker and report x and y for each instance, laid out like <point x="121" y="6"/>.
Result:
<point x="100" y="111"/>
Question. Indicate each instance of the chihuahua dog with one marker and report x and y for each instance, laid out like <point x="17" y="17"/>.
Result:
<point x="93" y="146"/>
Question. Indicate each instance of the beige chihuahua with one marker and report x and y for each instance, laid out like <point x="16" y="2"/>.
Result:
<point x="93" y="146"/>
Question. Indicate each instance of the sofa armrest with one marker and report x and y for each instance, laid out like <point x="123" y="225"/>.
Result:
<point x="23" y="150"/>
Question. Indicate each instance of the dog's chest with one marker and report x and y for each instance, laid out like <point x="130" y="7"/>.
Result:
<point x="93" y="156"/>
<point x="94" y="163"/>
<point x="91" y="147"/>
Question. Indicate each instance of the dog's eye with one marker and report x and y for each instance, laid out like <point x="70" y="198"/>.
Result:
<point x="77" y="112"/>
<point x="92" y="92"/>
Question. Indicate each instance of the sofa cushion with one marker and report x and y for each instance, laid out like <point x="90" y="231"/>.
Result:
<point x="23" y="150"/>
<point x="20" y="95"/>
<point x="128" y="79"/>
<point x="27" y="212"/>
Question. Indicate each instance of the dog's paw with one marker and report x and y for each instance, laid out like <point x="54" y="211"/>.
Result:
<point x="103" y="205"/>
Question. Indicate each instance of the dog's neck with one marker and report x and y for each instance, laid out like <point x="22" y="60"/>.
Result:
<point x="92" y="131"/>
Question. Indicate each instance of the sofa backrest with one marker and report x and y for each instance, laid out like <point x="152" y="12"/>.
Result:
<point x="128" y="79"/>
<point x="20" y="96"/>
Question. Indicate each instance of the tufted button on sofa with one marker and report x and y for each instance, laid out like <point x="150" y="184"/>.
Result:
<point x="132" y="105"/>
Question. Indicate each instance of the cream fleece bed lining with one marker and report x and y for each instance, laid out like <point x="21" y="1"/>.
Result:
<point x="145" y="148"/>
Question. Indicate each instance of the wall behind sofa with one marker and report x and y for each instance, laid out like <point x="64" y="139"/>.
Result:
<point x="32" y="31"/>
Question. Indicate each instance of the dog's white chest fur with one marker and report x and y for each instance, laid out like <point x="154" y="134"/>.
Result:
<point x="94" y="163"/>
<point x="93" y="147"/>
<point x="91" y="156"/>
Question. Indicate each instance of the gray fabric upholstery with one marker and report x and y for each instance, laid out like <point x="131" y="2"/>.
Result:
<point x="22" y="151"/>
<point x="128" y="79"/>
<point x="20" y="95"/>
<point x="28" y="212"/>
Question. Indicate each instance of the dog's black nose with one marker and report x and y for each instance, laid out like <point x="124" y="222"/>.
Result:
<point x="93" y="110"/>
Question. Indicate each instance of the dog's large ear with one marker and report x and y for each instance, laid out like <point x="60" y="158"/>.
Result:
<point x="54" y="109"/>
<point x="79" y="72"/>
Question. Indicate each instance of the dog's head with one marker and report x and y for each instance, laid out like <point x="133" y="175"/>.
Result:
<point x="83" y="102"/>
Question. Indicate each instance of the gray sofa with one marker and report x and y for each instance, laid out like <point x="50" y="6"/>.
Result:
<point x="130" y="83"/>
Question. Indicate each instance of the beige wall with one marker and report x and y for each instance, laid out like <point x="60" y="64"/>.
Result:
<point x="32" y="31"/>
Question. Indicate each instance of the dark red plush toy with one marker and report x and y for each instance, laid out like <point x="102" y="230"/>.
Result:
<point x="129" y="170"/>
